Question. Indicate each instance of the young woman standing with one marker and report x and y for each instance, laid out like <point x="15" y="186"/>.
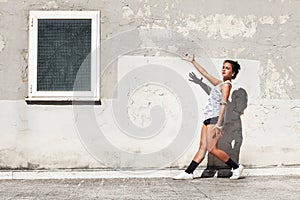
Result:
<point x="213" y="118"/>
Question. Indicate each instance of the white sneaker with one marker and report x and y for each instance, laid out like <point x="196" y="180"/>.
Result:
<point x="236" y="173"/>
<point x="183" y="176"/>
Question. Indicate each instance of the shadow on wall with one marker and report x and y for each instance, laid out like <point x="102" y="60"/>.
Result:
<point x="232" y="139"/>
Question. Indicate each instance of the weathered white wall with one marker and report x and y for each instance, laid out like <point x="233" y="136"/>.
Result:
<point x="46" y="136"/>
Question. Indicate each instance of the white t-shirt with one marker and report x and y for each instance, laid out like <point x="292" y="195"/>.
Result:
<point x="212" y="108"/>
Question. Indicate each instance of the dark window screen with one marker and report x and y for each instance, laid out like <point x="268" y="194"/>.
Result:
<point x="64" y="47"/>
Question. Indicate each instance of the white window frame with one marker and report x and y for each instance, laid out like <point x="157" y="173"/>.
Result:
<point x="33" y="93"/>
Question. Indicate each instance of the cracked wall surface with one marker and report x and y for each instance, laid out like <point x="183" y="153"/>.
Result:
<point x="236" y="30"/>
<point x="262" y="31"/>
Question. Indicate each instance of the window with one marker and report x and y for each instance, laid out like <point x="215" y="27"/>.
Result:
<point x="64" y="56"/>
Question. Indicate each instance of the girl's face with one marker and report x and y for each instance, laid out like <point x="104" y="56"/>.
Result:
<point x="227" y="71"/>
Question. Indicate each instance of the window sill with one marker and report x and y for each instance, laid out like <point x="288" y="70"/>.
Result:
<point x="57" y="101"/>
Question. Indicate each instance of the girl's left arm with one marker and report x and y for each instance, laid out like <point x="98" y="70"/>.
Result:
<point x="225" y="95"/>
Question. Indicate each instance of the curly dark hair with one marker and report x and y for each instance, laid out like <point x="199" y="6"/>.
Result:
<point x="235" y="67"/>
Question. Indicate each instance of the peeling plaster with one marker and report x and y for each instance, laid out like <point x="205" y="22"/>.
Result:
<point x="266" y="20"/>
<point x="24" y="71"/>
<point x="276" y="82"/>
<point x="145" y="97"/>
<point x="24" y="55"/>
<point x="282" y="19"/>
<point x="50" y="5"/>
<point x="147" y="10"/>
<point x="139" y="13"/>
<point x="2" y="43"/>
<point x="127" y="13"/>
<point x="217" y="25"/>
<point x="238" y="51"/>
<point x="227" y="26"/>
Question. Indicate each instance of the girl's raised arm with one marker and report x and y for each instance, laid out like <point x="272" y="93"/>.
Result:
<point x="209" y="77"/>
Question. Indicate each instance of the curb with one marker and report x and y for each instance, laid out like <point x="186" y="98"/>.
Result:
<point x="96" y="174"/>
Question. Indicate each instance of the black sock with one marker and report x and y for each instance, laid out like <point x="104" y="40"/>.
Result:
<point x="232" y="164"/>
<point x="191" y="168"/>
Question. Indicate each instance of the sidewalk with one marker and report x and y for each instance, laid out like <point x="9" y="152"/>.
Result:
<point x="150" y="187"/>
<point x="258" y="188"/>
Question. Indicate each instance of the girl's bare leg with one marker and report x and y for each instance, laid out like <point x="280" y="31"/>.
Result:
<point x="188" y="173"/>
<point x="198" y="158"/>
<point x="220" y="154"/>
<point x="212" y="140"/>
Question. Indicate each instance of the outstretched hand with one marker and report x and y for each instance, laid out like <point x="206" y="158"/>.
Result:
<point x="194" y="78"/>
<point x="188" y="57"/>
